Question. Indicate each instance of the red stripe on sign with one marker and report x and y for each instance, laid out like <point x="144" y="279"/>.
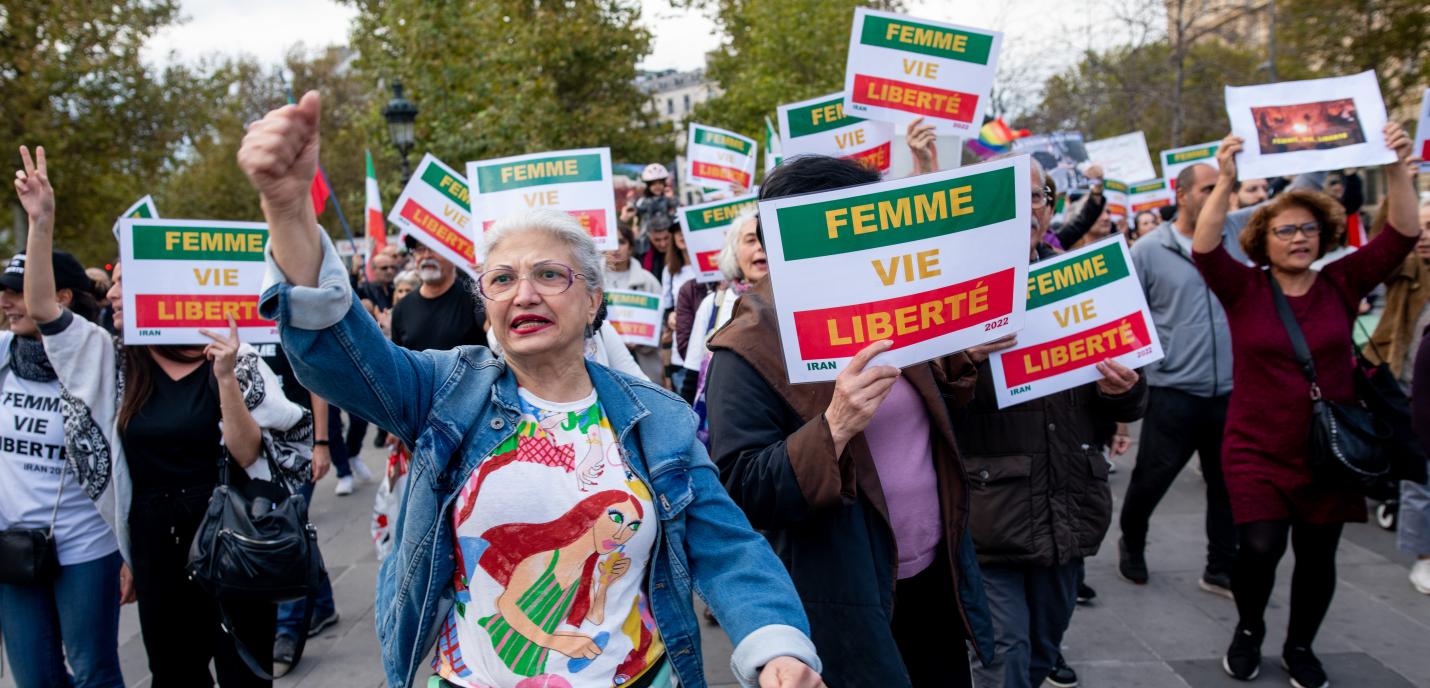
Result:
<point x="842" y="331"/>
<point x="876" y="158"/>
<point x="437" y="229"/>
<point x="1150" y="205"/>
<point x="706" y="261"/>
<point x="725" y="174"/>
<point x="1425" y="151"/>
<point x="633" y="328"/>
<point x="1086" y="348"/>
<point x="593" y="221"/>
<point x="197" y="310"/>
<point x="915" y="98"/>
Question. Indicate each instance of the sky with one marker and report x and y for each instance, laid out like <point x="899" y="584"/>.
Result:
<point x="265" y="29"/>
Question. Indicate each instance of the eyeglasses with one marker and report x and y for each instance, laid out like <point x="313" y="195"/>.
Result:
<point x="1286" y="232"/>
<point x="1042" y="196"/>
<point x="549" y="278"/>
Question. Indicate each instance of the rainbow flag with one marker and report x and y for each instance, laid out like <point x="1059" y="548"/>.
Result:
<point x="995" y="138"/>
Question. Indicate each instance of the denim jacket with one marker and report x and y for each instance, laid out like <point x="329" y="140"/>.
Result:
<point x="454" y="407"/>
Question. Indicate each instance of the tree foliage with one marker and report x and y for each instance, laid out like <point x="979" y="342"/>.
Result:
<point x="1335" y="37"/>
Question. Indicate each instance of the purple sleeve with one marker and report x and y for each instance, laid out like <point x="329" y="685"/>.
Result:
<point x="1420" y="391"/>
<point x="1358" y="273"/>
<point x="1226" y="277"/>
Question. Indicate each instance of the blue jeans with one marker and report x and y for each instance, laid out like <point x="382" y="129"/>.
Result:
<point x="1032" y="607"/>
<point x="290" y="614"/>
<point x="1414" y="518"/>
<point x="337" y="446"/>
<point x="75" y="618"/>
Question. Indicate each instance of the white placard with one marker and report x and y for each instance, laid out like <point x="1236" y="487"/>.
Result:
<point x="636" y="315"/>
<point x="142" y="208"/>
<point x="1422" y="132"/>
<point x="900" y="68"/>
<point x="936" y="263"/>
<point x="181" y="276"/>
<point x="435" y="208"/>
<point x="1084" y="307"/>
<point x="1175" y="160"/>
<point x="819" y="126"/>
<point x="1122" y="157"/>
<point x="704" y="228"/>
<point x="719" y="159"/>
<point x="576" y="182"/>
<point x="1308" y="126"/>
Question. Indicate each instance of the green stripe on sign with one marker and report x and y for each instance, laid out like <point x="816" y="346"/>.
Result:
<point x="633" y="301"/>
<point x="1111" y="185"/>
<point x="561" y="169"/>
<point x="1072" y="277"/>
<point x="812" y="119"/>
<point x="706" y="137"/>
<point x="1150" y="186"/>
<point x="450" y="185"/>
<point x="899" y="216"/>
<point x="909" y="36"/>
<point x="141" y="213"/>
<point x="1188" y="155"/>
<point x="717" y="215"/>
<point x="160" y="242"/>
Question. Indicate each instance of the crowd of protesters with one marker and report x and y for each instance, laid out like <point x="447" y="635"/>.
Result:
<point x="567" y="495"/>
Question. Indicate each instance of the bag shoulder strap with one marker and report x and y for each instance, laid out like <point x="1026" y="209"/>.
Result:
<point x="1293" y="329"/>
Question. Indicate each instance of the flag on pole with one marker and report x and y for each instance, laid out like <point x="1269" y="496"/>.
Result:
<point x="376" y="228"/>
<point x="319" y="192"/>
<point x="995" y="138"/>
<point x="774" y="151"/>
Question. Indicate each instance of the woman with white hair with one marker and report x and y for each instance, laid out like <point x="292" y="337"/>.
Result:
<point x="743" y="263"/>
<point x="559" y="517"/>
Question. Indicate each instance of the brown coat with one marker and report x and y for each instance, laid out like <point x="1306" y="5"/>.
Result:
<point x="1406" y="293"/>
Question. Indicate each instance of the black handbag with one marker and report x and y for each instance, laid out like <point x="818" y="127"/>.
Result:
<point x="1383" y="395"/>
<point x="1347" y="441"/>
<point x="255" y="544"/>
<point x="28" y="556"/>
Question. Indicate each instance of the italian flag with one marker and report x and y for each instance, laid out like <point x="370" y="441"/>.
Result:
<point x="376" y="230"/>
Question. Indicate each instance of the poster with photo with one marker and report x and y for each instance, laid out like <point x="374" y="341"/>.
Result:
<point x="1308" y="126"/>
<point x="1060" y="154"/>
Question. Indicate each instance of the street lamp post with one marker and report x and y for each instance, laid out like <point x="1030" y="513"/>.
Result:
<point x="400" y="114"/>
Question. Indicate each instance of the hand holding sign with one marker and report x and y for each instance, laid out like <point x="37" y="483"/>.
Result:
<point x="223" y="351"/>
<point x="280" y="155"/>
<point x="858" y="391"/>
<point x="923" y="143"/>
<point x="32" y="185"/>
<point x="1117" y="379"/>
<point x="1226" y="156"/>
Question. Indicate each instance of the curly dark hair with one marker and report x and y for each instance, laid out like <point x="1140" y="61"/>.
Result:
<point x="1327" y="211"/>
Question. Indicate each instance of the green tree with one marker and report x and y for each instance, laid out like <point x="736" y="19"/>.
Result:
<point x="1331" y="38"/>
<point x="71" y="79"/>
<point x="507" y="77"/>
<point x="775" y="52"/>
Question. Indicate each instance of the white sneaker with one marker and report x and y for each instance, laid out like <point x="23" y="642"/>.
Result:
<point x="1420" y="576"/>
<point x="361" y="471"/>
<point x="345" y="486"/>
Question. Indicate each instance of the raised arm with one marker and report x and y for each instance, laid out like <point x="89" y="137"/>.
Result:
<point x="1212" y="219"/>
<point x="280" y="156"/>
<point x="1401" y="204"/>
<point x="32" y="185"/>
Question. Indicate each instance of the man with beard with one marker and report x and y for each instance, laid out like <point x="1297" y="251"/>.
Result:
<point x="444" y="313"/>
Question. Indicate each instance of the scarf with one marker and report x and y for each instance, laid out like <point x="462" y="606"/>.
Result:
<point x="28" y="360"/>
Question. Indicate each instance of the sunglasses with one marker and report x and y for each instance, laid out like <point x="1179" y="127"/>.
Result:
<point x="1286" y="232"/>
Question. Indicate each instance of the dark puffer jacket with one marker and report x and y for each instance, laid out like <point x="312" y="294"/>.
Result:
<point x="1037" y="481"/>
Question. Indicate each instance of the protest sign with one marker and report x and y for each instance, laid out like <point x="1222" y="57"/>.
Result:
<point x="183" y="275"/>
<point x="576" y="182"/>
<point x="935" y="263"/>
<point x="1308" y="126"/>
<point x="636" y="315"/>
<point x="1122" y="157"/>
<point x="142" y="208"/>
<point x="819" y="126"/>
<point x="1116" y="194"/>
<point x="1422" y="132"/>
<point x="435" y="209"/>
<point x="705" y="227"/>
<point x="900" y="68"/>
<point x="1148" y="195"/>
<point x="1084" y="307"/>
<point x="1177" y="159"/>
<point x="1059" y="153"/>
<point x="774" y="148"/>
<point x="719" y="159"/>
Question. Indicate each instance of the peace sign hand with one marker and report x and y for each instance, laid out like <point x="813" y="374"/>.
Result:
<point x="223" y="351"/>
<point x="32" y="185"/>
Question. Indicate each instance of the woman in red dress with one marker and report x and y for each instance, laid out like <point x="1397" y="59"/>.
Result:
<point x="1273" y="494"/>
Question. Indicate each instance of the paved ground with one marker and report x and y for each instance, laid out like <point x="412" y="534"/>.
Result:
<point x="1165" y="634"/>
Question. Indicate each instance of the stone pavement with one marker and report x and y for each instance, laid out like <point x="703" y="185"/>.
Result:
<point x="1165" y="634"/>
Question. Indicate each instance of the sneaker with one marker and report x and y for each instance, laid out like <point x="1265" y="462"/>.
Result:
<point x="1243" y="659"/>
<point x="1420" y="576"/>
<point x="361" y="472"/>
<point x="1216" y="584"/>
<point x="284" y="648"/>
<point x="320" y="624"/>
<point x="345" y="486"/>
<point x="1131" y="565"/>
<point x="1063" y="676"/>
<point x="1305" y="669"/>
<point x="1085" y="593"/>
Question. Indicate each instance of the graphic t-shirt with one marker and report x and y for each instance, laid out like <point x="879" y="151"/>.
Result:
<point x="554" y="535"/>
<point x="32" y="457"/>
